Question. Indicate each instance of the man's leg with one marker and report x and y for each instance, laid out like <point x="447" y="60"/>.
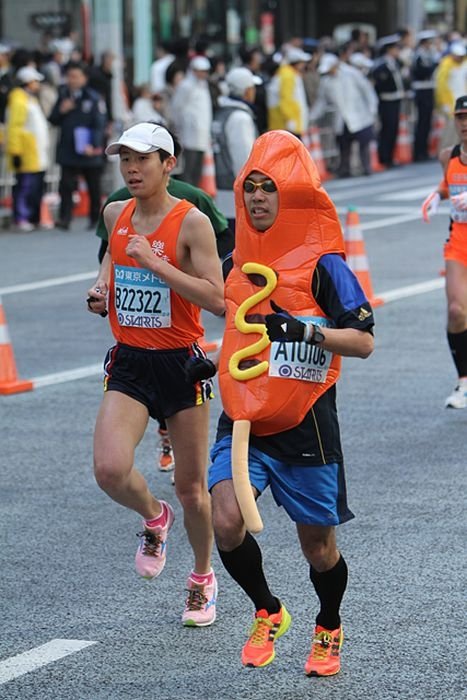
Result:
<point x="328" y="574"/>
<point x="193" y="166"/>
<point x="65" y="190"/>
<point x="93" y="178"/>
<point x="189" y="432"/>
<point x="456" y="293"/>
<point x="120" y="426"/>
<point x="241" y="556"/>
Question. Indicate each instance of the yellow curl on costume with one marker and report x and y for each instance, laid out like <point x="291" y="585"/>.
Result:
<point x="244" y="327"/>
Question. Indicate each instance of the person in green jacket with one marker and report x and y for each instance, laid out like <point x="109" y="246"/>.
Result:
<point x="225" y="245"/>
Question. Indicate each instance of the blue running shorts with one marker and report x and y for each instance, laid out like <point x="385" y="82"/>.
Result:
<point x="311" y="495"/>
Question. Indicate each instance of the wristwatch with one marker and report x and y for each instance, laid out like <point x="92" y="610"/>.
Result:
<point x="317" y="336"/>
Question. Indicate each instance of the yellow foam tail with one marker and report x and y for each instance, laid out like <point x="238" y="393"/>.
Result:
<point x="241" y="480"/>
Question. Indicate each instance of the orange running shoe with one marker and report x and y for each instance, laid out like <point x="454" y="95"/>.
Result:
<point x="324" y="659"/>
<point x="259" y="649"/>
<point x="166" y="457"/>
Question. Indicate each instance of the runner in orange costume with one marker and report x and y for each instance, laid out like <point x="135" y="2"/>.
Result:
<point x="291" y="250"/>
<point x="293" y="307"/>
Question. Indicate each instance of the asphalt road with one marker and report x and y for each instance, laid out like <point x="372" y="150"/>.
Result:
<point x="66" y="550"/>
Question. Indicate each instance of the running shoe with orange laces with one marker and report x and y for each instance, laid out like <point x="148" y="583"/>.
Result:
<point x="324" y="658"/>
<point x="151" y="553"/>
<point x="200" y="604"/>
<point x="259" y="649"/>
<point x="166" y="455"/>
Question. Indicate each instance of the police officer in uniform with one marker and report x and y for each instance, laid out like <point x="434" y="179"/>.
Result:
<point x="81" y="115"/>
<point x="388" y="82"/>
<point x="423" y="67"/>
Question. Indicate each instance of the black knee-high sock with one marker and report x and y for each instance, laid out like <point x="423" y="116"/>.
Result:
<point x="245" y="565"/>
<point x="330" y="587"/>
<point x="458" y="346"/>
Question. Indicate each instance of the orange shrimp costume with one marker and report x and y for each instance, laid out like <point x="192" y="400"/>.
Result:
<point x="268" y="388"/>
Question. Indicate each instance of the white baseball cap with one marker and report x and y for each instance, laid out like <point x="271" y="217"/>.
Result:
<point x="143" y="138"/>
<point x="200" y="63"/>
<point x="296" y="55"/>
<point x="457" y="48"/>
<point x="240" y="79"/>
<point x="27" y="74"/>
<point x="326" y="62"/>
<point x="359" y="60"/>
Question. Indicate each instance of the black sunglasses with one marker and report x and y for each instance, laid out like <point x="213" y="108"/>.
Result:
<point x="266" y="186"/>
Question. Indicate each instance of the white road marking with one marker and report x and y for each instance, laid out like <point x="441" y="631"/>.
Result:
<point x="51" y="282"/>
<point x="389" y="221"/>
<point x="68" y="375"/>
<point x="419" y="193"/>
<point x="39" y="656"/>
<point x="412" y="290"/>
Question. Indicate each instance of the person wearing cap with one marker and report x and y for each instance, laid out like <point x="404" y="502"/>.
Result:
<point x="425" y="62"/>
<point x="354" y="105"/>
<point x="160" y="269"/>
<point x="27" y="147"/>
<point x="81" y="116"/>
<point x="388" y="82"/>
<point x="450" y="83"/>
<point x="453" y="187"/>
<point x="291" y="111"/>
<point x="191" y="113"/>
<point x="234" y="132"/>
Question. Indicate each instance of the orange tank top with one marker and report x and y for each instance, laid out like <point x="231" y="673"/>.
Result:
<point x="456" y="178"/>
<point x="143" y="311"/>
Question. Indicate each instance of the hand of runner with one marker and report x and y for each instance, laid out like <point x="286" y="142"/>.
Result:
<point x="282" y="326"/>
<point x="140" y="250"/>
<point x="97" y="298"/>
<point x="459" y="201"/>
<point x="430" y="206"/>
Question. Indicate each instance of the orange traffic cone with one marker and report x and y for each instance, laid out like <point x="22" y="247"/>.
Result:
<point x="47" y="220"/>
<point x="356" y="255"/>
<point x="314" y="148"/>
<point x="437" y="126"/>
<point x="208" y="175"/>
<point x="9" y="382"/>
<point x="375" y="165"/>
<point x="403" y="150"/>
<point x="81" y="200"/>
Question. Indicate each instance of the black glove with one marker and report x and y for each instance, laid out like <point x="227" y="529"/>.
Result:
<point x="16" y="160"/>
<point x="197" y="368"/>
<point x="282" y="326"/>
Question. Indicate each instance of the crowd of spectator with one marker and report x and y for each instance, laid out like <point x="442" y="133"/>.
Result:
<point x="54" y="101"/>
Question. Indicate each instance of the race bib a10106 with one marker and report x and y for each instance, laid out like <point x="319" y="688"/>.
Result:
<point x="302" y="361"/>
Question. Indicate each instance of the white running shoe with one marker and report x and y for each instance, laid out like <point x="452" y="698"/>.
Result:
<point x="458" y="398"/>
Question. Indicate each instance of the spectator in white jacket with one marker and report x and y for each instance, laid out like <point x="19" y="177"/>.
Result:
<point x="191" y="111"/>
<point x="234" y="131"/>
<point x="354" y="99"/>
